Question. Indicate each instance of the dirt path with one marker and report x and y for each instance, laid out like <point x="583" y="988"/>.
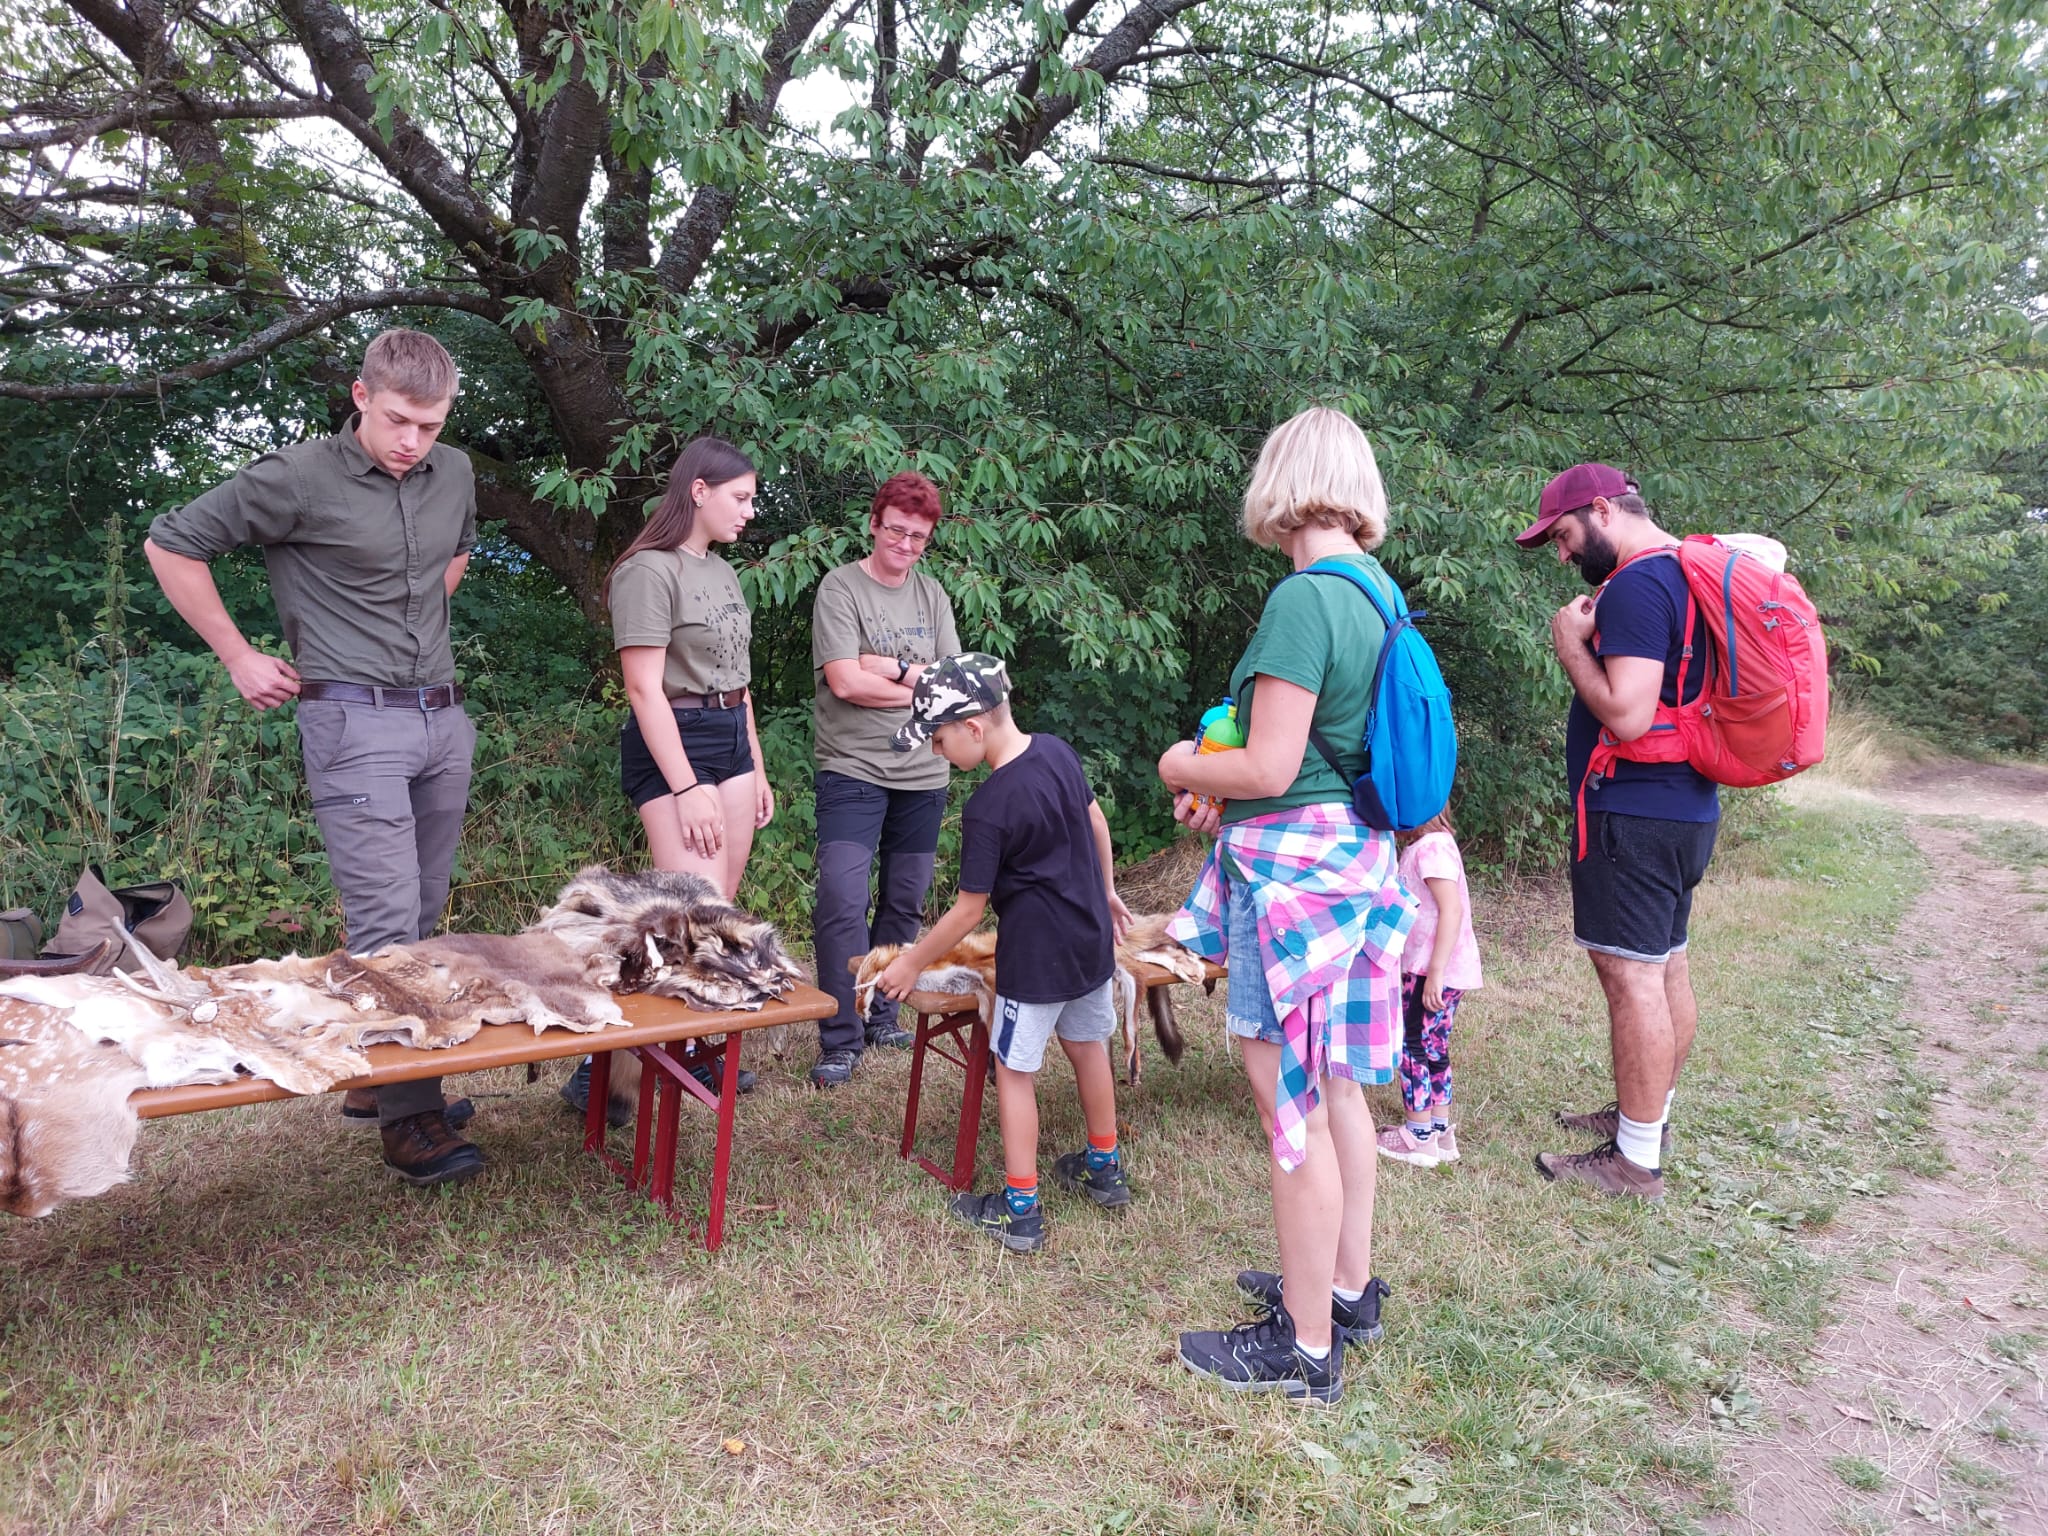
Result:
<point x="1926" y="1407"/>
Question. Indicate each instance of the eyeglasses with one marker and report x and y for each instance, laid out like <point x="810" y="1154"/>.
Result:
<point x="910" y="536"/>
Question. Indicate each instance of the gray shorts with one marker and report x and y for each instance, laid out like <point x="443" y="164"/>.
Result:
<point x="1023" y="1028"/>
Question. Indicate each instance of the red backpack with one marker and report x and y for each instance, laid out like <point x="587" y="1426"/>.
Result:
<point x="1762" y="715"/>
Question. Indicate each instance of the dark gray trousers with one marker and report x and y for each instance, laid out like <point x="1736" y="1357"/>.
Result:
<point x="861" y="825"/>
<point x="389" y="789"/>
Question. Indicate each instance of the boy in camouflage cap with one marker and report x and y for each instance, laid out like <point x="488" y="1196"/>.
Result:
<point x="1034" y="845"/>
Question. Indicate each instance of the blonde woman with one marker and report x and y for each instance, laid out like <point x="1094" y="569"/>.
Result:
<point x="1303" y="900"/>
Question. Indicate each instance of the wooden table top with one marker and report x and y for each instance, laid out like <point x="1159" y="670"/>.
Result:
<point x="649" y="1021"/>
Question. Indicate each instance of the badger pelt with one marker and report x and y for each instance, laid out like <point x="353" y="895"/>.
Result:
<point x="66" y="1130"/>
<point x="671" y="934"/>
<point x="969" y="968"/>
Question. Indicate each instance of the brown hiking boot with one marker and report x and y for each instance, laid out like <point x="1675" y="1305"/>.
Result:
<point x="1605" y="1169"/>
<point x="1606" y="1122"/>
<point x="361" y="1104"/>
<point x="422" y="1150"/>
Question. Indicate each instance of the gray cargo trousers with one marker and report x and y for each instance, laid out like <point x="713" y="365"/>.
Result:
<point x="390" y="785"/>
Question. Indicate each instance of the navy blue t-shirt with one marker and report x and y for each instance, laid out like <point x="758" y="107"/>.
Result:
<point x="1641" y="612"/>
<point x="1027" y="844"/>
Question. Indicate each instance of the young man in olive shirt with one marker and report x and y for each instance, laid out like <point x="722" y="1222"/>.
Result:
<point x="365" y="535"/>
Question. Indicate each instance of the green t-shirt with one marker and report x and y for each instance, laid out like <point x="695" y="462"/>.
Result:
<point x="691" y="607"/>
<point x="1322" y="634"/>
<point x="855" y="615"/>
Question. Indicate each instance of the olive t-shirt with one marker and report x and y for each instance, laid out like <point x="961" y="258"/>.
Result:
<point x="855" y="615"/>
<point x="690" y="605"/>
<point x="1323" y="634"/>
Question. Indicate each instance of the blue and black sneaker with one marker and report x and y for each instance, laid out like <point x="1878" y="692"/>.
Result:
<point x="1359" y="1319"/>
<point x="1262" y="1356"/>
<point x="1101" y="1180"/>
<point x="991" y="1213"/>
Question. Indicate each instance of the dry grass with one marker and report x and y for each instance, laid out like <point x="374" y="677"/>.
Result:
<point x="1866" y="750"/>
<point x="261" y="1334"/>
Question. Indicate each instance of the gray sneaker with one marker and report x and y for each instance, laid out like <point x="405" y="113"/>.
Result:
<point x="1107" y="1187"/>
<point x="834" y="1068"/>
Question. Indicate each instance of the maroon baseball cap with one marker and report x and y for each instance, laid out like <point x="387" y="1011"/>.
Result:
<point x="1570" y="491"/>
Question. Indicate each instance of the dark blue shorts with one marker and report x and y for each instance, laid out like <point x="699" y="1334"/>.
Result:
<point x="1632" y="892"/>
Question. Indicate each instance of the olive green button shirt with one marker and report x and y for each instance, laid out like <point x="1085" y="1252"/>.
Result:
<point x="358" y="561"/>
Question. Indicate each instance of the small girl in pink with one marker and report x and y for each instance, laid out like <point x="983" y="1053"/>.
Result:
<point x="1439" y="965"/>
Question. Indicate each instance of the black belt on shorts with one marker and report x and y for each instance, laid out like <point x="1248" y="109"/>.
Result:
<point x="441" y="696"/>
<point x="731" y="699"/>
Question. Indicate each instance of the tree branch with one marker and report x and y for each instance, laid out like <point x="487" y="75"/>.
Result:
<point x="264" y="342"/>
<point x="710" y="209"/>
<point x="1026" y="133"/>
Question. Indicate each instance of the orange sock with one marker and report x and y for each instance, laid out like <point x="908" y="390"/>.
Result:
<point x="1103" y="1143"/>
<point x="1021" y="1193"/>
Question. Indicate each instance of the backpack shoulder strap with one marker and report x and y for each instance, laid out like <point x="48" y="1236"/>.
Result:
<point x="1357" y="579"/>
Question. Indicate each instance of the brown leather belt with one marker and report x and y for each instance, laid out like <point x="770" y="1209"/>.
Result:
<point x="441" y="696"/>
<point x="732" y="698"/>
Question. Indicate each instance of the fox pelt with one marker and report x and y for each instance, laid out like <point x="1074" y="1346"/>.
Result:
<point x="969" y="968"/>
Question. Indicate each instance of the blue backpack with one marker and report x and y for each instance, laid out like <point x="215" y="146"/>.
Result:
<point x="1411" y="747"/>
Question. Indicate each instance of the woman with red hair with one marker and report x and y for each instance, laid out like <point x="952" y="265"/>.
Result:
<point x="876" y="624"/>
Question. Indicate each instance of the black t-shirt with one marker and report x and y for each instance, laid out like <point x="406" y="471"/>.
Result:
<point x="1641" y="612"/>
<point x="1027" y="844"/>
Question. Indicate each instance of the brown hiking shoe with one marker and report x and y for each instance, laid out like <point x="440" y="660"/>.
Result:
<point x="1605" y="1169"/>
<point x="422" y="1150"/>
<point x="361" y="1104"/>
<point x="1606" y="1122"/>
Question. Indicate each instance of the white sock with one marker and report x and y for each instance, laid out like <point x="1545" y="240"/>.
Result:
<point x="1312" y="1352"/>
<point x="1341" y="1294"/>
<point x="1639" y="1141"/>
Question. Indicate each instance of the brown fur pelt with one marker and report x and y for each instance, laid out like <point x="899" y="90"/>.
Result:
<point x="72" y="1048"/>
<point x="969" y="968"/>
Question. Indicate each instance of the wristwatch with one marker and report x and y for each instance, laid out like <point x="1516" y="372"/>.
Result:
<point x="902" y="669"/>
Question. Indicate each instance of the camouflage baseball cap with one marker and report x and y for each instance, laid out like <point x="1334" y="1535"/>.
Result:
<point x="952" y="688"/>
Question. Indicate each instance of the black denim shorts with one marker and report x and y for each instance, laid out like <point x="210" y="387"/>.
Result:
<point x="714" y="739"/>
<point x="1632" y="892"/>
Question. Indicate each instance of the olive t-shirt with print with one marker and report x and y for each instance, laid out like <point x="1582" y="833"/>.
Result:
<point x="1323" y="634"/>
<point x="691" y="606"/>
<point x="855" y="615"/>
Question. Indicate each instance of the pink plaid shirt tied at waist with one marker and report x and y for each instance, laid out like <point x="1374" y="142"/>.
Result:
<point x="1332" y="917"/>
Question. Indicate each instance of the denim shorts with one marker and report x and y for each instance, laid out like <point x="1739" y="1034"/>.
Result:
<point x="1248" y="1005"/>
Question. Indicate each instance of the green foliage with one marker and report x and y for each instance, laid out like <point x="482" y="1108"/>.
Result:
<point x="1951" y="647"/>
<point x="1778" y="261"/>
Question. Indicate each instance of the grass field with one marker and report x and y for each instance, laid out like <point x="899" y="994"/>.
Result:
<point x="261" y="1333"/>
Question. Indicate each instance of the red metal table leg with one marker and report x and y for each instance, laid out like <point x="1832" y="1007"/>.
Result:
<point x="661" y="1188"/>
<point x="721" y="1150"/>
<point x="925" y="1024"/>
<point x="969" y="1135"/>
<point x="643" y="1115"/>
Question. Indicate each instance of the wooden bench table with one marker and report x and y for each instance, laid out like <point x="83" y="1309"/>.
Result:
<point x="949" y="1024"/>
<point x="670" y="1038"/>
